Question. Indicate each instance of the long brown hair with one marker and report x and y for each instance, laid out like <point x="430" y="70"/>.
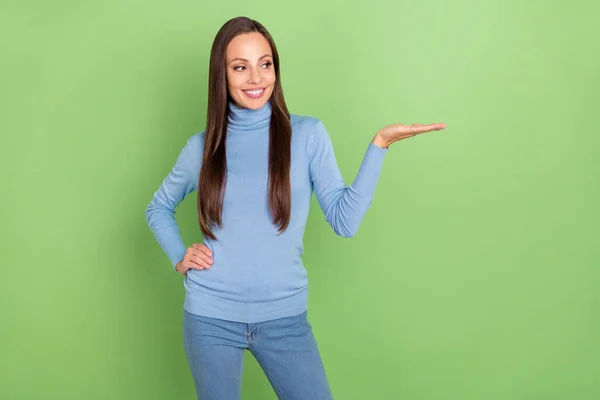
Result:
<point x="213" y="174"/>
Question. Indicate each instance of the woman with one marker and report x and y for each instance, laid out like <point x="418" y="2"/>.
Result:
<point x="255" y="168"/>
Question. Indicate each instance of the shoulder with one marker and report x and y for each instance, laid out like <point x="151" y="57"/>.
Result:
<point x="304" y="122"/>
<point x="190" y="155"/>
<point x="196" y="141"/>
<point x="312" y="133"/>
<point x="310" y="127"/>
<point x="193" y="146"/>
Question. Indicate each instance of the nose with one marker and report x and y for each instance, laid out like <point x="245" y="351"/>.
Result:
<point x="254" y="76"/>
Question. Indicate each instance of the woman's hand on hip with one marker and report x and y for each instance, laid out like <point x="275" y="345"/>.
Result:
<point x="197" y="257"/>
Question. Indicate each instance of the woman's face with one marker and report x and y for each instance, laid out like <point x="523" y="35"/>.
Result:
<point x="250" y="70"/>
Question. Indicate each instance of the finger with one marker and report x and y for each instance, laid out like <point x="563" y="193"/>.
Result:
<point x="415" y="126"/>
<point x="192" y="261"/>
<point x="193" y="265"/>
<point x="203" y="248"/>
<point x="201" y="260"/>
<point x="437" y="127"/>
<point x="427" y="128"/>
<point x="207" y="259"/>
<point x="202" y="255"/>
<point x="199" y="250"/>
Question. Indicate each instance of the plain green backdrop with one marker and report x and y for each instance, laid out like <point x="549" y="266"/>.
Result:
<point x="474" y="275"/>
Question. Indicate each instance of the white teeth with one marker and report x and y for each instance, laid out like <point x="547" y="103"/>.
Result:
<point x="254" y="92"/>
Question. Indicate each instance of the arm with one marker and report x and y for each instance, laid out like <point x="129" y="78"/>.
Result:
<point x="160" y="212"/>
<point x="344" y="207"/>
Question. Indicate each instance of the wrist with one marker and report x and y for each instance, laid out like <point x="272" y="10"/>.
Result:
<point x="380" y="142"/>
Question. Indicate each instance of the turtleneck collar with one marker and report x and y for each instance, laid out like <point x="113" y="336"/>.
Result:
<point x="248" y="119"/>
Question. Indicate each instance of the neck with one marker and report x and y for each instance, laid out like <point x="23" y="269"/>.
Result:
<point x="247" y="118"/>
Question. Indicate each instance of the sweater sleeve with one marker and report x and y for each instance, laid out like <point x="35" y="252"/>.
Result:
<point x="344" y="207"/>
<point x="160" y="212"/>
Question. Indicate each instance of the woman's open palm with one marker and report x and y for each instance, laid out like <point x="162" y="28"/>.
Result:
<point x="395" y="132"/>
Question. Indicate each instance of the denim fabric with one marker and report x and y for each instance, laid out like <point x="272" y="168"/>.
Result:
<point x="285" y="348"/>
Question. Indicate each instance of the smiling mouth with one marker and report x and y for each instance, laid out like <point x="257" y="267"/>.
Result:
<point x="255" y="93"/>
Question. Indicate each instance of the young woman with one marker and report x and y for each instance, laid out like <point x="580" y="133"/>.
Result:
<point x="255" y="167"/>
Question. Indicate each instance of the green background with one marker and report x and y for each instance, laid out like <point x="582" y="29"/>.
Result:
<point x="474" y="275"/>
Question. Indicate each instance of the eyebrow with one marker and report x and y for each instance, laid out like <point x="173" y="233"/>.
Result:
<point x="243" y="59"/>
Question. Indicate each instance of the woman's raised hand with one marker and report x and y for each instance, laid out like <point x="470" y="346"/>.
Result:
<point x="395" y="132"/>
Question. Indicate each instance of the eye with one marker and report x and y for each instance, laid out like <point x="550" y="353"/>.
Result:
<point x="238" y="68"/>
<point x="268" y="64"/>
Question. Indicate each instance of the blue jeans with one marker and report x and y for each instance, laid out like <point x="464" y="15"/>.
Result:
<point x="285" y="348"/>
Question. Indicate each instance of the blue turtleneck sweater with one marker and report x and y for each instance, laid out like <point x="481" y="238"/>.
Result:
<point x="258" y="275"/>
